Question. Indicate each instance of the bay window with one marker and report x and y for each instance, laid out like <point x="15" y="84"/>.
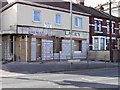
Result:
<point x="99" y="43"/>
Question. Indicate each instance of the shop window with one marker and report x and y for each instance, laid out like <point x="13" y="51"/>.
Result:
<point x="57" y="45"/>
<point x="77" y="45"/>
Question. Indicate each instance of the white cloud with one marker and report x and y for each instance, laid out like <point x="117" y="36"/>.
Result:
<point x="94" y="3"/>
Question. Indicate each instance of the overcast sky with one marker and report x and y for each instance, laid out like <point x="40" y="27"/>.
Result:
<point x="94" y="3"/>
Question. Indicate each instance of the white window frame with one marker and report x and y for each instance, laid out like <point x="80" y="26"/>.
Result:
<point x="33" y="19"/>
<point x="97" y="26"/>
<point x="99" y="37"/>
<point x="57" y="23"/>
<point x="113" y="28"/>
<point x="100" y="26"/>
<point x="78" y="22"/>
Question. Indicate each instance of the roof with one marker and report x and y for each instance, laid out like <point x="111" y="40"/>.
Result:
<point x="80" y="8"/>
<point x="3" y="4"/>
<point x="64" y="5"/>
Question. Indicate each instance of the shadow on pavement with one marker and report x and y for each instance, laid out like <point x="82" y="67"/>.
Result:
<point x="98" y="86"/>
<point x="78" y="84"/>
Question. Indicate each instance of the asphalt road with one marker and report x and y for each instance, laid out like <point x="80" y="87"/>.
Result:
<point x="93" y="78"/>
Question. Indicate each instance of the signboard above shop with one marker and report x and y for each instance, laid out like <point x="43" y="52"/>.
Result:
<point x="51" y="32"/>
<point x="77" y="34"/>
<point x="34" y="31"/>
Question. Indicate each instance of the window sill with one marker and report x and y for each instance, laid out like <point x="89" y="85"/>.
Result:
<point x="58" y="24"/>
<point x="36" y="21"/>
<point x="113" y="33"/>
<point x="78" y="27"/>
<point x="98" y="31"/>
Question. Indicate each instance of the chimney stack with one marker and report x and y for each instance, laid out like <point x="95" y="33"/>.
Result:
<point x="80" y="2"/>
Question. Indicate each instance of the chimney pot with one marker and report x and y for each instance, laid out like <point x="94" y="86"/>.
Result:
<point x="80" y="2"/>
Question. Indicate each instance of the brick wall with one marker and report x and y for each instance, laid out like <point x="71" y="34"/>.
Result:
<point x="104" y="55"/>
<point x="98" y="55"/>
<point x="116" y="55"/>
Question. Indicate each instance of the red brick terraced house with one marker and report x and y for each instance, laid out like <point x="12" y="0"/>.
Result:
<point x="99" y="29"/>
<point x="99" y="33"/>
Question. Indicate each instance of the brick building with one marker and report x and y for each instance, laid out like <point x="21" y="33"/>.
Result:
<point x="41" y="31"/>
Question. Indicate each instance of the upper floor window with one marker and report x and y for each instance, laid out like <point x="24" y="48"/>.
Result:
<point x="78" y="22"/>
<point x="98" y="25"/>
<point x="36" y="15"/>
<point x="58" y="19"/>
<point x="113" y="27"/>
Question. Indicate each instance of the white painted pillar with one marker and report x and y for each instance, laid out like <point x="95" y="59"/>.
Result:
<point x="13" y="48"/>
<point x="26" y="48"/>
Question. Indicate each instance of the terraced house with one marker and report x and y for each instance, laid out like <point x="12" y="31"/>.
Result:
<point x="99" y="34"/>
<point x="41" y="31"/>
<point x="99" y="29"/>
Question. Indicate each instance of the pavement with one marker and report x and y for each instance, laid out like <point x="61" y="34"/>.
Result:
<point x="22" y="68"/>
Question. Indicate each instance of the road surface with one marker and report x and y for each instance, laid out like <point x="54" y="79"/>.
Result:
<point x="93" y="78"/>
